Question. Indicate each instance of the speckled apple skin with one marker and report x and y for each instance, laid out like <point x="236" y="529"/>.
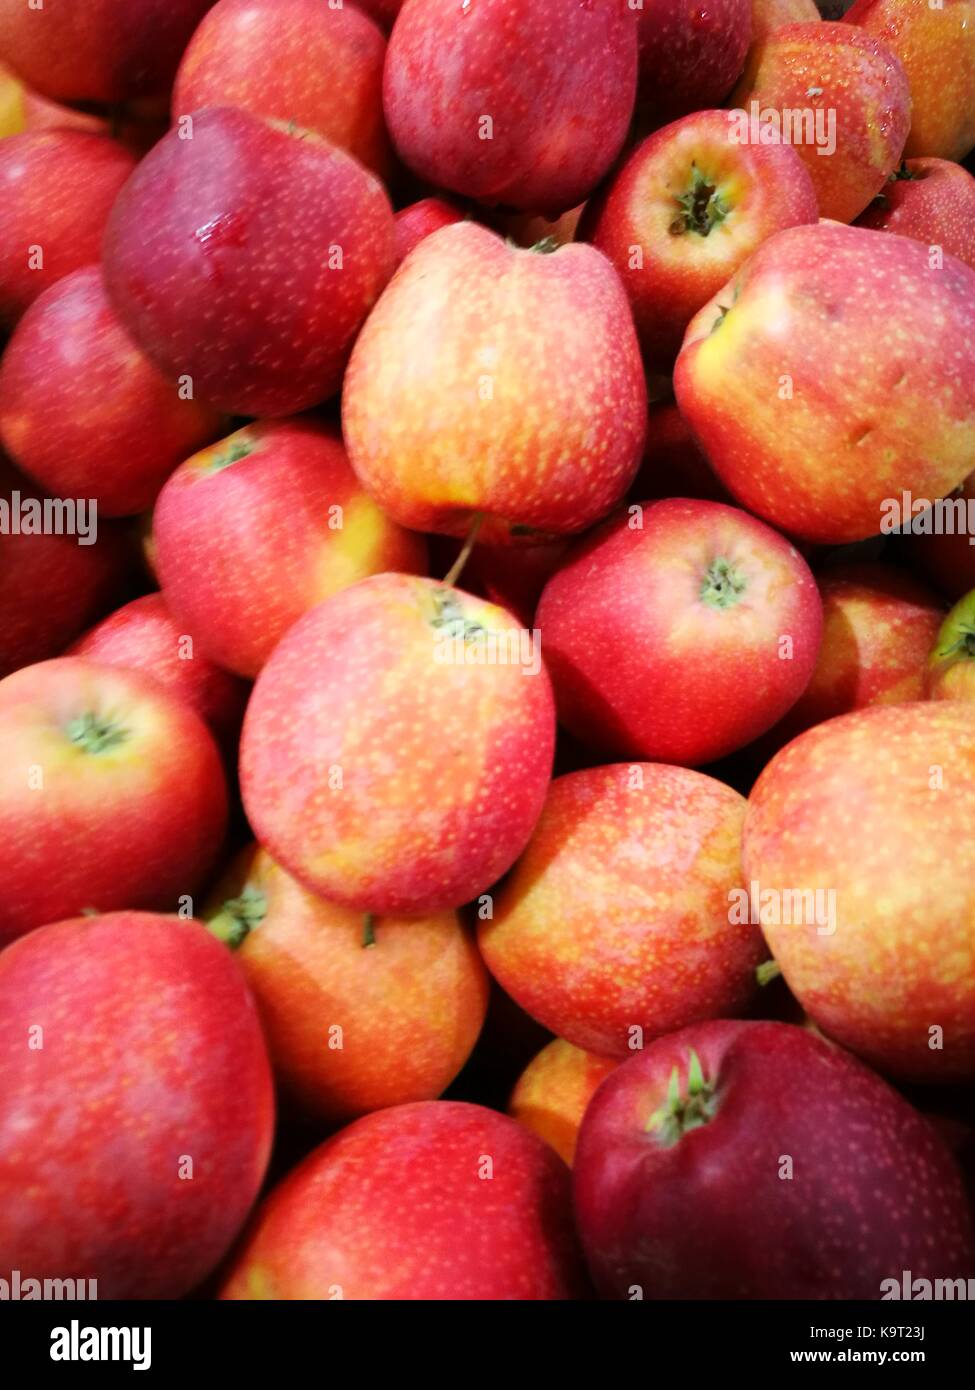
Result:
<point x="765" y="188"/>
<point x="444" y="766"/>
<point x="873" y="1192"/>
<point x="297" y="60"/>
<point x="57" y="188"/>
<point x="551" y="1095"/>
<point x="936" y="46"/>
<point x="396" y="1206"/>
<point x="851" y="73"/>
<point x="410" y="1006"/>
<point x="557" y="81"/>
<point x="854" y="806"/>
<point x="139" y="823"/>
<point x="936" y="205"/>
<point x="690" y="54"/>
<point x="152" y="1054"/>
<point x="617" y="915"/>
<point x="643" y="667"/>
<point x="221" y="258"/>
<point x="417" y="221"/>
<point x="243" y="550"/>
<point x="496" y="380"/>
<point x="773" y="14"/>
<point x="878" y="351"/>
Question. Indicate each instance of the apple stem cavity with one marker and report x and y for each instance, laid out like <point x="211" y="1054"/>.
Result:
<point x="239" y="916"/>
<point x="457" y="568"/>
<point x="681" y="1112"/>
<point x="235" y="450"/>
<point x="723" y="585"/>
<point x="702" y="207"/>
<point x="368" y="930"/>
<point x="93" y="734"/>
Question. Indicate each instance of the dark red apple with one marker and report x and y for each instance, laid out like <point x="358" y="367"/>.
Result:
<point x="690" y="54"/>
<point x="932" y="200"/>
<point x="417" y="221"/>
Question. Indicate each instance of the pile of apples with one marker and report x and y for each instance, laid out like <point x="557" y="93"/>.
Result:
<point x="491" y="624"/>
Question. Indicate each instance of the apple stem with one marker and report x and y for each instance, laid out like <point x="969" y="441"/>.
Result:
<point x="457" y="568"/>
<point x="368" y="930"/>
<point x="238" y="917"/>
<point x="94" y="734"/>
<point x="768" y="971"/>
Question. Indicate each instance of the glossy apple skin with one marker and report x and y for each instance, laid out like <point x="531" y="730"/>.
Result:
<point x="711" y="1217"/>
<point x="936" y="46"/>
<point x="643" y="665"/>
<point x="935" y="204"/>
<point x="689" y="54"/>
<point x="494" y="380"/>
<point x="417" y="221"/>
<point x="312" y="972"/>
<point x="221" y="255"/>
<point x="854" y="806"/>
<point x="861" y="80"/>
<point x="396" y="1206"/>
<point x="57" y="188"/>
<point x="950" y="673"/>
<point x="684" y="262"/>
<point x="553" y="1091"/>
<point x="119" y="427"/>
<point x="444" y="766"/>
<point x="616" y="917"/>
<point x="773" y="14"/>
<point x="896" y="335"/>
<point x="137" y="823"/>
<point x="297" y="60"/>
<point x="152" y="1055"/>
<point x="557" y="80"/>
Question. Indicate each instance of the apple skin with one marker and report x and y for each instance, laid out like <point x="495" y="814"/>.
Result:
<point x="950" y="673"/>
<point x="616" y="917"/>
<point x="873" y="1190"/>
<point x="297" y="60"/>
<point x="143" y="817"/>
<point x="931" y="200"/>
<point x="558" y="82"/>
<point x="119" y="429"/>
<point x="936" y="46"/>
<point x="645" y="664"/>
<point x="57" y="188"/>
<point x="444" y="767"/>
<point x="853" y="806"/>
<point x="689" y="54"/>
<point x="673" y="465"/>
<point x="397" y="1206"/>
<point x="220" y="259"/>
<point x="553" y="1091"/>
<point x="152" y="1055"/>
<point x="497" y="381"/>
<point x="896" y="336"/>
<point x="742" y="194"/>
<point x="773" y="14"/>
<point x="312" y="969"/>
<point x="861" y="80"/>
<point x="946" y="560"/>
<point x="417" y="221"/>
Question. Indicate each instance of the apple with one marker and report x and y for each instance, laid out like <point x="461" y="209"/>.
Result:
<point x="553" y="1091"/>
<point x="690" y="54"/>
<point x="119" y="427"/>
<point x="112" y="794"/>
<point x="511" y="102"/>
<point x="417" y="221"/>
<point x="617" y="923"/>
<point x="514" y="578"/>
<point x="935" y="42"/>
<point x="950" y="673"/>
<point x="756" y="1161"/>
<point x="834" y="373"/>
<point x="873" y="808"/>
<point x="850" y="104"/>
<point x="245" y="258"/>
<point x="56" y="190"/>
<point x="773" y="14"/>
<point x="12" y="113"/>
<point x="528" y="228"/>
<point x="137" y="1111"/>
<point x="384" y="12"/>
<point x="306" y="61"/>
<point x="687" y="208"/>
<point x="940" y="548"/>
<point x="438" y="1200"/>
<point x="358" y="1014"/>
<point x="931" y="200"/>
<point x="673" y="465"/>
<point x="255" y="530"/>
<point x="497" y="383"/>
<point x="679" y="631"/>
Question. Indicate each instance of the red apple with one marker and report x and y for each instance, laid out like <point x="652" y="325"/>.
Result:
<point x="679" y="631"/>
<point x="874" y="808"/>
<point x="939" y="543"/>
<point x="931" y="200"/>
<point x="111" y="794"/>
<point x="690" y="54"/>
<point x="950" y="673"/>
<point x="514" y="578"/>
<point x="528" y="228"/>
<point x="398" y="746"/>
<point x="57" y="188"/>
<point x="835" y="372"/>
<point x="246" y="257"/>
<point x="417" y="221"/>
<point x="136" y="1112"/>
<point x="437" y="1200"/>
<point x="755" y="1161"/>
<point x="617" y="923"/>
<point x="554" y="1090"/>
<point x="497" y="382"/>
<point x="252" y="532"/>
<point x="306" y="61"/>
<point x="511" y="102"/>
<point x="358" y="1014"/>
<point x="773" y="14"/>
<point x="384" y="12"/>
<point x="687" y="208"/>
<point x="673" y="465"/>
